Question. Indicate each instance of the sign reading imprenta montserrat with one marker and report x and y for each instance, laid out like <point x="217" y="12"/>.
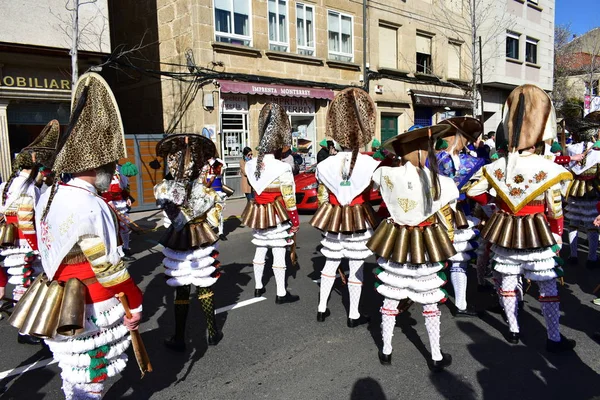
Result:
<point x="35" y="83"/>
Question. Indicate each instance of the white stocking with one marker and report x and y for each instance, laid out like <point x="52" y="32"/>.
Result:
<point x="508" y="296"/>
<point x="388" y="322"/>
<point x="355" y="281"/>
<point x="550" y="303"/>
<point x="573" y="242"/>
<point x="432" y="324"/>
<point x="593" y="245"/>
<point x="82" y="391"/>
<point x="259" y="266"/>
<point x="458" y="276"/>
<point x="279" y="268"/>
<point x="327" y="280"/>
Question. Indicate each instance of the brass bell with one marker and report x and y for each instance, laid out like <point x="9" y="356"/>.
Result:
<point x="23" y="306"/>
<point x="335" y="220"/>
<point x="417" y="247"/>
<point x="518" y="240"/>
<point x="545" y="234"/>
<point x="400" y="253"/>
<point x="507" y="232"/>
<point x="347" y="225"/>
<point x="46" y="321"/>
<point x="433" y="249"/>
<point x="321" y="218"/>
<point x="532" y="239"/>
<point x="36" y="305"/>
<point x="358" y="216"/>
<point x="72" y="311"/>
<point x="271" y="219"/>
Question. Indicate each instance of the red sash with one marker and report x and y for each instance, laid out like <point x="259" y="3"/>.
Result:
<point x="31" y="238"/>
<point x="83" y="271"/>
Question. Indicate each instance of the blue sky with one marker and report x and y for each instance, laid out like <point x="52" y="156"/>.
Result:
<point x="582" y="14"/>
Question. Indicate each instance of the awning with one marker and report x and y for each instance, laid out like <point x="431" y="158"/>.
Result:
<point x="275" y="90"/>
<point x="432" y="99"/>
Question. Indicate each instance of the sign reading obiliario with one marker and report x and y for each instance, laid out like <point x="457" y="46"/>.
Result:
<point x="35" y="83"/>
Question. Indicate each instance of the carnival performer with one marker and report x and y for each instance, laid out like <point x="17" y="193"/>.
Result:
<point x="79" y="247"/>
<point x="345" y="215"/>
<point x="214" y="180"/>
<point x="526" y="230"/>
<point x="273" y="215"/>
<point x="192" y="209"/>
<point x="584" y="192"/>
<point x="118" y="197"/>
<point x="413" y="243"/>
<point x="454" y="163"/>
<point x="19" y="196"/>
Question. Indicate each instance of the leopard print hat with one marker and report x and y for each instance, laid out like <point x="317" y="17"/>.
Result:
<point x="351" y="118"/>
<point x="44" y="147"/>
<point x="275" y="131"/>
<point x="95" y="135"/>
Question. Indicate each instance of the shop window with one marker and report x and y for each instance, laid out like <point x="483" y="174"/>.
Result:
<point x="235" y="134"/>
<point x="423" y="116"/>
<point x="454" y="60"/>
<point x="305" y="29"/>
<point x="531" y="46"/>
<point x="512" y="45"/>
<point x="388" y="47"/>
<point x="424" y="64"/>
<point x="278" y="25"/>
<point x="339" y="28"/>
<point x="233" y="22"/>
<point x="303" y="137"/>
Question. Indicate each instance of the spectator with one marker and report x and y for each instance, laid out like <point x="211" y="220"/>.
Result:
<point x="490" y="141"/>
<point x="287" y="157"/>
<point x="246" y="188"/>
<point x="324" y="152"/>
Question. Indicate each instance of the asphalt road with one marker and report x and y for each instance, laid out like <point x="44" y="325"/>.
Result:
<point x="281" y="352"/>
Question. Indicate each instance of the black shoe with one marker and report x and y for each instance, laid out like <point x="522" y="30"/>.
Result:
<point x="214" y="340"/>
<point x="175" y="344"/>
<point x="27" y="339"/>
<point x="573" y="261"/>
<point x="468" y="312"/>
<point x="384" y="359"/>
<point x="222" y="237"/>
<point x="591" y="264"/>
<point x="438" y="366"/>
<point x="288" y="298"/>
<point x="512" y="337"/>
<point x="259" y="292"/>
<point x="127" y="252"/>
<point x="560" y="347"/>
<point x="322" y="315"/>
<point x="353" y="323"/>
<point x="128" y="258"/>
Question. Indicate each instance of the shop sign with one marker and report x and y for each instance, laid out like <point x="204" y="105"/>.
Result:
<point x="296" y="105"/>
<point x="234" y="102"/>
<point x="35" y="82"/>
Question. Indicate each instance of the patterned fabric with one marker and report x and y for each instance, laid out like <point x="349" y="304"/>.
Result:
<point x="351" y="118"/>
<point x="44" y="147"/>
<point x="467" y="168"/>
<point x="97" y="137"/>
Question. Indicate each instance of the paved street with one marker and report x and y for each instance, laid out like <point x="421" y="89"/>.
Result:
<point x="281" y="352"/>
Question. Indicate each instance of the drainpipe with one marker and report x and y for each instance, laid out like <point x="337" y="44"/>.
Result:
<point x="365" y="69"/>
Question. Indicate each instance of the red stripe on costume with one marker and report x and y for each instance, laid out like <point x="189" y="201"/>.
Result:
<point x="30" y="238"/>
<point x="527" y="210"/>
<point x="360" y="199"/>
<point x="266" y="197"/>
<point x="96" y="292"/>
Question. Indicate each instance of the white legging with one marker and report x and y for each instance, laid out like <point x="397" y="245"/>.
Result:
<point x="355" y="281"/>
<point x="279" y="267"/>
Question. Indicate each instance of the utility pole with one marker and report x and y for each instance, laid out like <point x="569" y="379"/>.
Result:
<point x="474" y="58"/>
<point x="481" y="81"/>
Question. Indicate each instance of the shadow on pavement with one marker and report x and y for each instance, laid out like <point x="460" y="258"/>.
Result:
<point x="367" y="388"/>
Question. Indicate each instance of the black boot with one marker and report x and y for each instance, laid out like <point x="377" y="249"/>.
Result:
<point x="27" y="339"/>
<point x="438" y="366"/>
<point x="384" y="359"/>
<point x="181" y="307"/>
<point x="560" y="347"/>
<point x="206" y="297"/>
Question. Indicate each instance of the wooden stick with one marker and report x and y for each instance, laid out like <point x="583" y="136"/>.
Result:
<point x="136" y="341"/>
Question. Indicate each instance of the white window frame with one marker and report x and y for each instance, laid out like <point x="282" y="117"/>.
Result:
<point x="517" y="36"/>
<point x="339" y="53"/>
<point x="233" y="36"/>
<point x="533" y="2"/>
<point x="277" y="42"/>
<point x="312" y="49"/>
<point x="536" y="42"/>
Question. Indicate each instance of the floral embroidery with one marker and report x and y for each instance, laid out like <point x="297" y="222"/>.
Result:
<point x="407" y="204"/>
<point x="516" y="192"/>
<point x="518" y="178"/>
<point x="388" y="182"/>
<point x="540" y="176"/>
<point x="499" y="174"/>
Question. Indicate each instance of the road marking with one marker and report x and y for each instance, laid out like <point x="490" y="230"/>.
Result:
<point x="239" y="305"/>
<point x="27" y="368"/>
<point x="50" y="361"/>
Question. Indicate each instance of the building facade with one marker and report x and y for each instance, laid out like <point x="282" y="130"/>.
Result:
<point x="35" y="67"/>
<point x="298" y="54"/>
<point x="521" y="51"/>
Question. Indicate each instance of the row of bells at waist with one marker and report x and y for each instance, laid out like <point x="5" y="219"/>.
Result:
<point x="195" y="235"/>
<point x="50" y="308"/>
<point x="415" y="245"/>
<point x="518" y="232"/>
<point x="9" y="235"/>
<point x="264" y="216"/>
<point x="584" y="188"/>
<point x="344" y="219"/>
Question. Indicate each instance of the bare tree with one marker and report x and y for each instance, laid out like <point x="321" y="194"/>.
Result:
<point x="468" y="21"/>
<point x="563" y="65"/>
<point x="88" y="32"/>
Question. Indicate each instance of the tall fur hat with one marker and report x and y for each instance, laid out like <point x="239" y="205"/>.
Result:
<point x="528" y="117"/>
<point x="95" y="134"/>
<point x="275" y="132"/>
<point x="462" y="131"/>
<point x="186" y="154"/>
<point x="44" y="148"/>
